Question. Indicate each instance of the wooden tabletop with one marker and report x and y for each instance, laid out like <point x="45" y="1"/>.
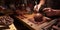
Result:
<point x="33" y="25"/>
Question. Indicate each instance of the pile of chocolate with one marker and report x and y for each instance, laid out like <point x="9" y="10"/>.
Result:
<point x="38" y="17"/>
<point x="6" y="20"/>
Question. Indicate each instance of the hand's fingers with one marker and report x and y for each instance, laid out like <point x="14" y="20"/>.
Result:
<point x="55" y="27"/>
<point x="35" y="7"/>
<point x="47" y="9"/>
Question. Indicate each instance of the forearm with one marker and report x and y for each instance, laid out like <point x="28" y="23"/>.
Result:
<point x="37" y="7"/>
<point x="41" y="2"/>
<point x="53" y="13"/>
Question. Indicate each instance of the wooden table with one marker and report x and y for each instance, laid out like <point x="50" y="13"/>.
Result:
<point x="35" y="26"/>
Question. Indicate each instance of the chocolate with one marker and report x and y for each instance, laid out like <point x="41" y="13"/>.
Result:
<point x="6" y="20"/>
<point x="38" y="17"/>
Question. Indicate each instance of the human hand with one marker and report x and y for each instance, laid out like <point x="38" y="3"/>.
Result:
<point x="36" y="7"/>
<point x="46" y="10"/>
<point x="49" y="11"/>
